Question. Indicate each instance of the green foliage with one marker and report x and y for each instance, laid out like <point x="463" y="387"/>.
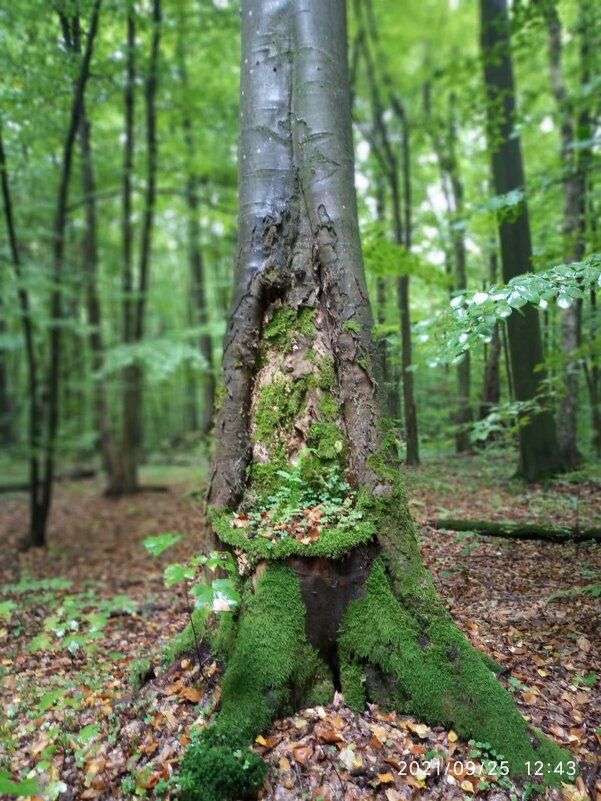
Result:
<point x="472" y="317"/>
<point x="13" y="788"/>
<point x="594" y="590"/>
<point x="308" y="509"/>
<point x="157" y="545"/>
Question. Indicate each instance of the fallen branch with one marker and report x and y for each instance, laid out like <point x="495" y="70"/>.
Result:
<point x="521" y="531"/>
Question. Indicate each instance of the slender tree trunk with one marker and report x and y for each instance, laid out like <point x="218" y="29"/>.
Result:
<point x="34" y="434"/>
<point x="464" y="412"/>
<point x="197" y="271"/>
<point x="539" y="453"/>
<point x="345" y="604"/>
<point x="491" y="390"/>
<point x="574" y="242"/>
<point x="126" y="479"/>
<point x="43" y="495"/>
<point x="402" y="229"/>
<point x="34" y="410"/>
<point x="102" y="423"/>
<point x="7" y="422"/>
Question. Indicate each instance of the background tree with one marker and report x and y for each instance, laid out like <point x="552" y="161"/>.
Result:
<point x="539" y="453"/>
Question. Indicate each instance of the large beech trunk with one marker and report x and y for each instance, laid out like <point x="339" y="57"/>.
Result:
<point x="345" y="601"/>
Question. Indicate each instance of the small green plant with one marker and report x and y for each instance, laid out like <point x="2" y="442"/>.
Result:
<point x="220" y="596"/>
<point x="594" y="590"/>
<point x="303" y="502"/>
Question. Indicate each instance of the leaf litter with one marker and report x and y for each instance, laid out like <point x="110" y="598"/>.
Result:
<point x="73" y="722"/>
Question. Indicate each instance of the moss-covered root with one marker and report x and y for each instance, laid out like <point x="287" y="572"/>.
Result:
<point x="272" y="669"/>
<point x="419" y="663"/>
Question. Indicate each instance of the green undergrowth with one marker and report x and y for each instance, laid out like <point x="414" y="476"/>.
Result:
<point x="415" y="660"/>
<point x="272" y="670"/>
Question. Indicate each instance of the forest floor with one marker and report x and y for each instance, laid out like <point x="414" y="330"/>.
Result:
<point x="72" y="720"/>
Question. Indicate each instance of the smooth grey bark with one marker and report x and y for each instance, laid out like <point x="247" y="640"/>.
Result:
<point x="297" y="224"/>
<point x="539" y="452"/>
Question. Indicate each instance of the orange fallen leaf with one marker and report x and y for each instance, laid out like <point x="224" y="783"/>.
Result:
<point x="302" y="753"/>
<point x="192" y="694"/>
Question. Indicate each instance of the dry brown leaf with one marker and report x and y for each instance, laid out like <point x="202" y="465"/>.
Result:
<point x="302" y="753"/>
<point x="192" y="694"/>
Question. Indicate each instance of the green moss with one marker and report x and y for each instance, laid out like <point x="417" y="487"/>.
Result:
<point x="329" y="408"/>
<point x="272" y="668"/>
<point x="185" y="641"/>
<point x="222" y="637"/>
<point x="279" y="406"/>
<point x="327" y="441"/>
<point x="433" y="672"/>
<point x="352" y="681"/>
<point x="353" y="326"/>
<point x="333" y="543"/>
<point x="220" y="773"/>
<point x="287" y="324"/>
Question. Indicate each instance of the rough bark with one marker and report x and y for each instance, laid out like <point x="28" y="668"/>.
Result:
<point x="333" y="604"/>
<point x="539" y="453"/>
<point x="521" y="531"/>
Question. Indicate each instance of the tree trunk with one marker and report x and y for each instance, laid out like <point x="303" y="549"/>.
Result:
<point x="197" y="272"/>
<point x="125" y="478"/>
<point x="539" y="453"/>
<point x="302" y="489"/>
<point x="464" y="411"/>
<point x="574" y="243"/>
<point x="491" y="390"/>
<point x="102" y="424"/>
<point x="34" y="415"/>
<point x="7" y="427"/>
<point x="402" y="228"/>
<point x="37" y="535"/>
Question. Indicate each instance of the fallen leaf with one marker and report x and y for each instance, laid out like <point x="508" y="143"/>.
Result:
<point x="302" y="753"/>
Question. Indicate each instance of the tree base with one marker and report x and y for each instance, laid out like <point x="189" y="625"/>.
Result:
<point x="404" y="654"/>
